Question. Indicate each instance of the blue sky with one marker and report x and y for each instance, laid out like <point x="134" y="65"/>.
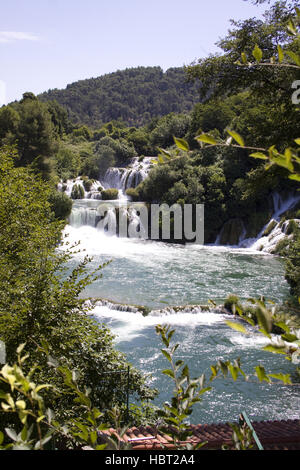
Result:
<point x="50" y="43"/>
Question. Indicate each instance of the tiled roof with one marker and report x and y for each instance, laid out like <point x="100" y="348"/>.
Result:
<point x="273" y="435"/>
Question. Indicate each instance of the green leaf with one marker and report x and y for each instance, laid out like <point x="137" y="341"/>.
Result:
<point x="234" y="371"/>
<point x="185" y="372"/>
<point x="181" y="144"/>
<point x="236" y="326"/>
<point x="297" y="141"/>
<point x="264" y="319"/>
<point x="166" y="354"/>
<point x="239" y="139"/>
<point x="274" y="349"/>
<point x="289" y="338"/>
<point x="294" y="177"/>
<point x="280" y="54"/>
<point x="244" y="58"/>
<point x="285" y="378"/>
<point x="21" y="404"/>
<point x="257" y="53"/>
<point x="295" y="57"/>
<point x="1" y="437"/>
<point x="283" y="161"/>
<point x="261" y="374"/>
<point x="283" y="326"/>
<point x="169" y="372"/>
<point x="165" y="153"/>
<point x="206" y="138"/>
<point x="292" y="28"/>
<point x="259" y="155"/>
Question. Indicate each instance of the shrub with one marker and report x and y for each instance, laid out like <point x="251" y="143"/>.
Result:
<point x="110" y="194"/>
<point x="77" y="192"/>
<point x="61" y="205"/>
<point x="87" y="184"/>
<point x="133" y="194"/>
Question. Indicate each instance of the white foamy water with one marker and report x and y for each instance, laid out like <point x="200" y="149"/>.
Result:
<point x="128" y="325"/>
<point x="159" y="276"/>
<point x="204" y="339"/>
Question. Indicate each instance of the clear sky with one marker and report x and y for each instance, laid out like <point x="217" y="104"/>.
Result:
<point x="49" y="43"/>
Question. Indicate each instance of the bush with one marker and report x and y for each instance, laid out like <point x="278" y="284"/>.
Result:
<point x="77" y="192"/>
<point x="293" y="265"/>
<point x="87" y="184"/>
<point x="110" y="194"/>
<point x="61" y="205"/>
<point x="133" y="194"/>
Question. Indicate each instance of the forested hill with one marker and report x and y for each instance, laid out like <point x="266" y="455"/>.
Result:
<point x="133" y="95"/>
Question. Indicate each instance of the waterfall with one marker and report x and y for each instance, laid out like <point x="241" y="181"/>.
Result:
<point x="282" y="205"/>
<point x="135" y="228"/>
<point x="106" y="217"/>
<point x="273" y="232"/>
<point x="68" y="186"/>
<point x="270" y="234"/>
<point x="232" y="233"/>
<point x="84" y="213"/>
<point x="118" y="178"/>
<point x="125" y="178"/>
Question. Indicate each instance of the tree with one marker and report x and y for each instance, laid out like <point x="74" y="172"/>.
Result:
<point x="39" y="296"/>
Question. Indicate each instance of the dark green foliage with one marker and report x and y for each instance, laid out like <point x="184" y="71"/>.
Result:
<point x="87" y="183"/>
<point x="183" y="180"/>
<point x="83" y="132"/>
<point x="133" y="95"/>
<point x="59" y="117"/>
<point x="77" y="192"/>
<point x="109" y="194"/>
<point x="61" y="204"/>
<point x="133" y="194"/>
<point x="222" y="75"/>
<point x="123" y="151"/>
<point x="34" y="127"/>
<point x="168" y="127"/>
<point x="293" y="265"/>
<point x="40" y="298"/>
<point x="67" y="163"/>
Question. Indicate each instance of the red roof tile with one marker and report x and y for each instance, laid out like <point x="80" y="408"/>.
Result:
<point x="273" y="435"/>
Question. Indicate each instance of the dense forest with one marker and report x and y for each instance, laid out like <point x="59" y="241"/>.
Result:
<point x="99" y="123"/>
<point x="133" y="96"/>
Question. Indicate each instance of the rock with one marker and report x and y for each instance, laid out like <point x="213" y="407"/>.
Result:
<point x="272" y="224"/>
<point x="232" y="232"/>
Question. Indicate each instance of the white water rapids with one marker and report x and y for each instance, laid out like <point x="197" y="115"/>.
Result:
<point x="160" y="276"/>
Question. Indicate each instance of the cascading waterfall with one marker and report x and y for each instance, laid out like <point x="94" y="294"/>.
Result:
<point x="87" y="213"/>
<point x="125" y="178"/>
<point x="273" y="232"/>
<point x="69" y="185"/>
<point x="83" y="216"/>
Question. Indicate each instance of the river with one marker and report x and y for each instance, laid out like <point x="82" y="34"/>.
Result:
<point x="158" y="275"/>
